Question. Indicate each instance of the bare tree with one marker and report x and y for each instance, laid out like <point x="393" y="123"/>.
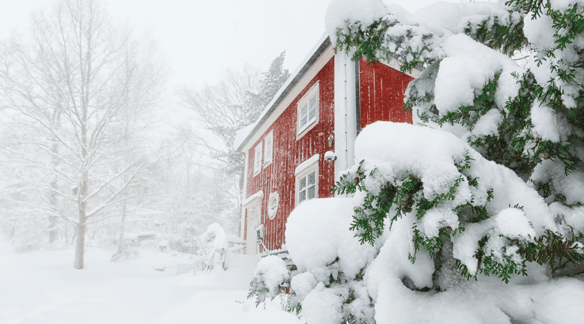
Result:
<point x="233" y="103"/>
<point x="71" y="88"/>
<point x="230" y="105"/>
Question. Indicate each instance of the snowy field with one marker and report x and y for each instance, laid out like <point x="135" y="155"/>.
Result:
<point x="43" y="287"/>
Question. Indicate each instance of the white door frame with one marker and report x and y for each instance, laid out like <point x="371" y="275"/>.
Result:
<point x="254" y="219"/>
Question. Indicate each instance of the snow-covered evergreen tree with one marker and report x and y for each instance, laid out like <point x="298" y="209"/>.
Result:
<point x="233" y="103"/>
<point x="272" y="80"/>
<point x="493" y="186"/>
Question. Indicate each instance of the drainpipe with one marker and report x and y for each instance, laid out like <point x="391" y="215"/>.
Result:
<point x="346" y="116"/>
<point x="345" y="112"/>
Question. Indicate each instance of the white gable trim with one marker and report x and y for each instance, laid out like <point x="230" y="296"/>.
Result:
<point x="291" y="96"/>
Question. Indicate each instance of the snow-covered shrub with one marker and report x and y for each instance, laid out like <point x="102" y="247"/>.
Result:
<point x="493" y="185"/>
<point x="492" y="216"/>
<point x="529" y="120"/>
<point x="429" y="212"/>
<point x="328" y="285"/>
<point x="213" y="246"/>
<point x="271" y="272"/>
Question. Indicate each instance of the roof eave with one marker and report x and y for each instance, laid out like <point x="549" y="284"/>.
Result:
<point x="295" y="79"/>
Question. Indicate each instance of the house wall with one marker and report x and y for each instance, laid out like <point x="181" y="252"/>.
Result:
<point x="382" y="92"/>
<point x="289" y="153"/>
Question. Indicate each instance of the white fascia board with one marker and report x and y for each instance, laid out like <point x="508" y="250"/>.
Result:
<point x="243" y="193"/>
<point x="249" y="135"/>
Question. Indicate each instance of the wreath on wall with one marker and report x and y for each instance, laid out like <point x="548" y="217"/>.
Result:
<point x="273" y="203"/>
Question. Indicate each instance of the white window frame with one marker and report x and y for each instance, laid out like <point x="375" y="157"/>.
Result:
<point x="268" y="144"/>
<point x="310" y="123"/>
<point x="304" y="174"/>
<point x="257" y="161"/>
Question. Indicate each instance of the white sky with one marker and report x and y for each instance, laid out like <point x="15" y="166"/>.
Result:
<point x="198" y="39"/>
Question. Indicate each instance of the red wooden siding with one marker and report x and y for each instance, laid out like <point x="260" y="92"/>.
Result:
<point x="288" y="153"/>
<point x="381" y="93"/>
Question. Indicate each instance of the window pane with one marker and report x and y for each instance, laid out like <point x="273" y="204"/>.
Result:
<point x="303" y="111"/>
<point x="302" y="183"/>
<point x="303" y="121"/>
<point x="312" y="102"/>
<point x="311" y="192"/>
<point x="311" y="178"/>
<point x="312" y="114"/>
<point x="302" y="196"/>
<point x="268" y="155"/>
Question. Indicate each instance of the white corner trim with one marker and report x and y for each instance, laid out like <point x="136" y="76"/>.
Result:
<point x="259" y="194"/>
<point x="302" y="166"/>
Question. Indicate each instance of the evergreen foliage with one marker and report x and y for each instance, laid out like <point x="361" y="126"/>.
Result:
<point x="506" y="194"/>
<point x="518" y="143"/>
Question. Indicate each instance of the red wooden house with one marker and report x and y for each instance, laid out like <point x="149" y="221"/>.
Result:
<point x="319" y="111"/>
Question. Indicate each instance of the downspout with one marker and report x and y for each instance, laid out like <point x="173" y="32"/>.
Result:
<point x="345" y="131"/>
<point x="346" y="116"/>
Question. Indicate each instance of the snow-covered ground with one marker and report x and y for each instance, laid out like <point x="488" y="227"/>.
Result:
<point x="43" y="287"/>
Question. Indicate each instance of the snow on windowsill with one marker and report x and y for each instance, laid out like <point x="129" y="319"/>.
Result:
<point x="259" y="194"/>
<point x="302" y="166"/>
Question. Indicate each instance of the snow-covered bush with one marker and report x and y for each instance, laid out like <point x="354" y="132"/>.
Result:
<point x="493" y="186"/>
<point x="213" y="246"/>
<point x="329" y="284"/>
<point x="271" y="273"/>
<point x="425" y="214"/>
<point x="529" y="120"/>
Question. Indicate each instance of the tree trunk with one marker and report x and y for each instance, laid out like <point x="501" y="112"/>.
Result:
<point x="53" y="195"/>
<point x="121" y="242"/>
<point x="80" y="244"/>
<point x="52" y="218"/>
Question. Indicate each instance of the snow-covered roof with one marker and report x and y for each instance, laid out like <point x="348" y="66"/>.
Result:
<point x="245" y="134"/>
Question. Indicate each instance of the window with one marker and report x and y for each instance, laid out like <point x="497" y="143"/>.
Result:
<point x="257" y="163"/>
<point x="308" y="110"/>
<point x="307" y="180"/>
<point x="268" y="148"/>
<point x="307" y="187"/>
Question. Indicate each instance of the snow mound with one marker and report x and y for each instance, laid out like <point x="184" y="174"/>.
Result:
<point x="215" y="235"/>
<point x="273" y="271"/>
<point x="317" y="233"/>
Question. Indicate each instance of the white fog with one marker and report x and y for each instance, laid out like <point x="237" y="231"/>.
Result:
<point x="275" y="161"/>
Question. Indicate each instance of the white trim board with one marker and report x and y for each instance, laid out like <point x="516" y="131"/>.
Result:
<point x="259" y="194"/>
<point x="291" y="96"/>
